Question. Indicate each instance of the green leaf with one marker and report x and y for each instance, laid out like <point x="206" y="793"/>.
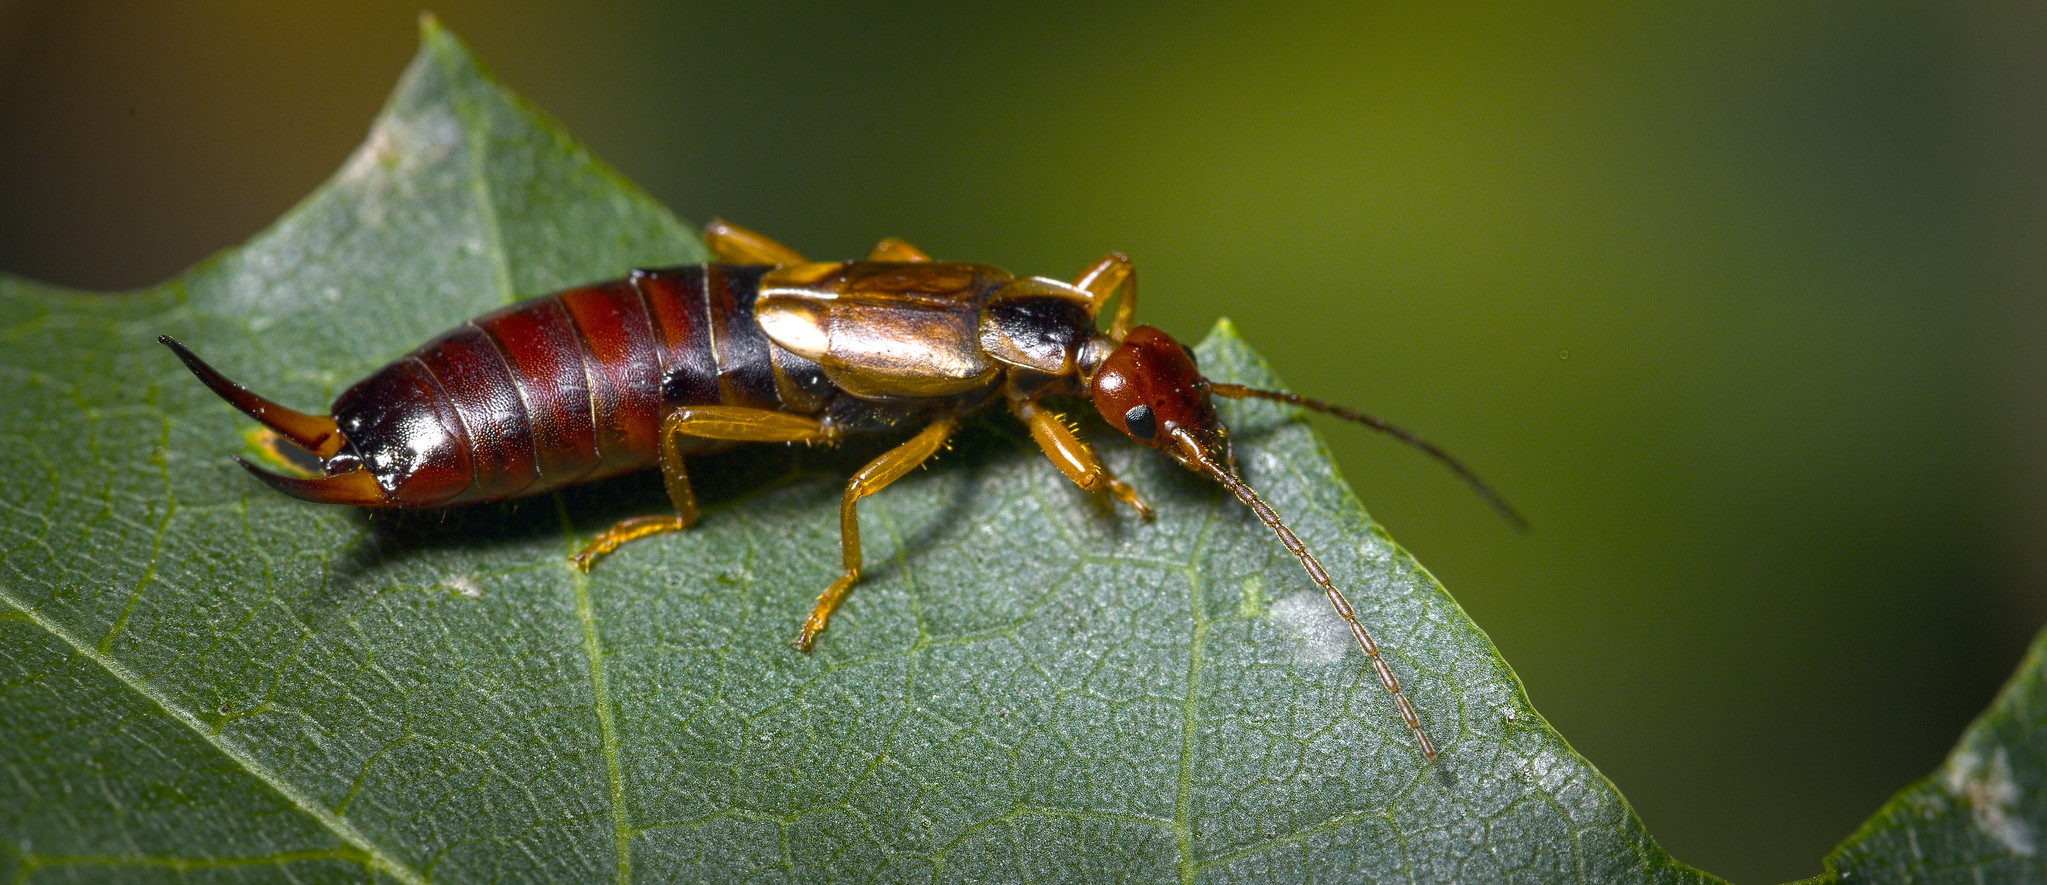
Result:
<point x="200" y="678"/>
<point x="1980" y="816"/>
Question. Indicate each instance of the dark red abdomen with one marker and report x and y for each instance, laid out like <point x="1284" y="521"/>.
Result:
<point x="568" y="387"/>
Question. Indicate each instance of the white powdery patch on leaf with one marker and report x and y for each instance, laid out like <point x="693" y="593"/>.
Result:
<point x="384" y="175"/>
<point x="401" y="144"/>
<point x="1320" y="639"/>
<point x="1990" y="792"/>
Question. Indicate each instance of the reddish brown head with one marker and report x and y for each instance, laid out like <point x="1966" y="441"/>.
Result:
<point x="1149" y="388"/>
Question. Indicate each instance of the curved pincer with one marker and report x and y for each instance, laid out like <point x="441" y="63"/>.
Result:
<point x="356" y="488"/>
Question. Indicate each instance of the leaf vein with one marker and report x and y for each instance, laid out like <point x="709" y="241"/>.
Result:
<point x="1183" y="800"/>
<point x="333" y="823"/>
<point x="600" y="695"/>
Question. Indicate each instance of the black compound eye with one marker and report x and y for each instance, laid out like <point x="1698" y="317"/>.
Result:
<point x="1140" y="423"/>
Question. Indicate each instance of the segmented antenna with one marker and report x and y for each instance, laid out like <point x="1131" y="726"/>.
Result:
<point x="1321" y="578"/>
<point x="1239" y="391"/>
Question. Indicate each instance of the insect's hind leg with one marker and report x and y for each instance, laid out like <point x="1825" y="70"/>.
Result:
<point x="872" y="478"/>
<point x="892" y="249"/>
<point x="731" y="244"/>
<point x="706" y="422"/>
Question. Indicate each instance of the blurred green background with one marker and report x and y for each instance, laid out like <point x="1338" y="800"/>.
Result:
<point x="1742" y="303"/>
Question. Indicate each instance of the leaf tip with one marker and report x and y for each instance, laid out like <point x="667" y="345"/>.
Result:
<point x="1222" y="336"/>
<point x="435" y="35"/>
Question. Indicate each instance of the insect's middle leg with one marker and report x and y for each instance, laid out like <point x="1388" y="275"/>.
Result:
<point x="873" y="478"/>
<point x="705" y="422"/>
<point x="1072" y="455"/>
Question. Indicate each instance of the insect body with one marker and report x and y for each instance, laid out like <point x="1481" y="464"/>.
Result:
<point x="767" y="347"/>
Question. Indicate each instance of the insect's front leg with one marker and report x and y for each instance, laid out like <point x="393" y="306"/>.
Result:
<point x="1072" y="455"/>
<point x="706" y="422"/>
<point x="888" y="468"/>
<point x="1101" y="280"/>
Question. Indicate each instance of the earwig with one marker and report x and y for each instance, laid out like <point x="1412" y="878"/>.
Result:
<point x="764" y="346"/>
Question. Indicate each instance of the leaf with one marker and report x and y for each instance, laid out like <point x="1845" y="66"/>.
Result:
<point x="1982" y="815"/>
<point x="200" y="678"/>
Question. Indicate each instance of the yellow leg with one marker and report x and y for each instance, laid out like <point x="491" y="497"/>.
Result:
<point x="873" y="478"/>
<point x="1073" y="456"/>
<point x="743" y="424"/>
<point x="892" y="249"/>
<point x="1101" y="280"/>
<point x="708" y="422"/>
<point x="731" y="244"/>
